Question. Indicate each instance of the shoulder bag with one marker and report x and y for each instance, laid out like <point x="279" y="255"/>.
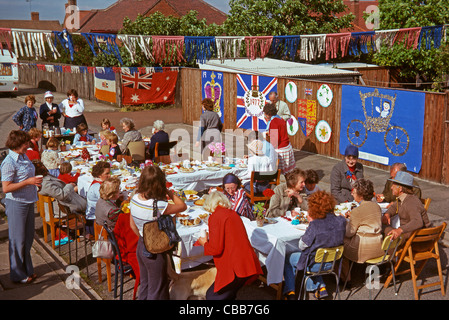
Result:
<point x="156" y="240"/>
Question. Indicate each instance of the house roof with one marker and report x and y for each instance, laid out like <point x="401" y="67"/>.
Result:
<point x="111" y="19"/>
<point x="47" y="25"/>
<point x="280" y="68"/>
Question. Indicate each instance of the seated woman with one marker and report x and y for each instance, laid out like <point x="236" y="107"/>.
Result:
<point x="131" y="134"/>
<point x="50" y="157"/>
<point x="234" y="257"/>
<point x="82" y="135"/>
<point x="152" y="192"/>
<point x="325" y="230"/>
<point x="259" y="162"/>
<point x="363" y="238"/>
<point x="159" y="135"/>
<point x="66" y="194"/>
<point x="232" y="189"/>
<point x="344" y="174"/>
<point x="107" y="208"/>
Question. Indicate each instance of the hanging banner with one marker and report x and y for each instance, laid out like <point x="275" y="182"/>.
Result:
<point x="307" y="115"/>
<point x="252" y="94"/>
<point x="212" y="84"/>
<point x="386" y="125"/>
<point x="105" y="85"/>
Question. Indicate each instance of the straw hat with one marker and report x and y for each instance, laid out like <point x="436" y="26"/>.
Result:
<point x="256" y="147"/>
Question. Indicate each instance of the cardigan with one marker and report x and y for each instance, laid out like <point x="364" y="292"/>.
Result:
<point x="278" y="133"/>
<point x="340" y="184"/>
<point x="230" y="247"/>
<point x="43" y="113"/>
<point x="26" y="117"/>
<point x="280" y="203"/>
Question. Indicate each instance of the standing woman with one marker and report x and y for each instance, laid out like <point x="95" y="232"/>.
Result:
<point x="210" y="125"/>
<point x="20" y="186"/>
<point x="72" y="108"/>
<point x="49" y="111"/>
<point x="234" y="257"/>
<point x="151" y="191"/>
<point x="26" y="117"/>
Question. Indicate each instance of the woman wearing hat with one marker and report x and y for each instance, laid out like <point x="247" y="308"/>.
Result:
<point x="345" y="173"/>
<point x="408" y="207"/>
<point x="73" y="109"/>
<point x="259" y="162"/>
<point x="236" y="194"/>
<point x="49" y="111"/>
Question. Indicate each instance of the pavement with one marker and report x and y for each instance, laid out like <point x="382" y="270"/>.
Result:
<point x="53" y="270"/>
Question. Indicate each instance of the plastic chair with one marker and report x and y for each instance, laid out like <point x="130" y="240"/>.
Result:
<point x="322" y="256"/>
<point x="387" y="257"/>
<point x="104" y="234"/>
<point x="420" y="247"/>
<point x="272" y="177"/>
<point x="426" y="202"/>
<point x="75" y="224"/>
<point x="120" y="268"/>
<point x="163" y="146"/>
<point x="137" y="150"/>
<point x="47" y="213"/>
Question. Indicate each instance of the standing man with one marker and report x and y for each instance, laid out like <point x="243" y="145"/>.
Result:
<point x="408" y="207"/>
<point x="281" y="106"/>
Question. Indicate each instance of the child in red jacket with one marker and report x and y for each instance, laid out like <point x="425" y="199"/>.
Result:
<point x="65" y="173"/>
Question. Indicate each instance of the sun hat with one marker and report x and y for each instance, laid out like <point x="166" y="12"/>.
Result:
<point x="403" y="178"/>
<point x="351" y="151"/>
<point x="256" y="147"/>
<point x="48" y="94"/>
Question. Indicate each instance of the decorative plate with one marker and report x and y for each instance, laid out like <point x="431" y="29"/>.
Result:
<point x="324" y="95"/>
<point x="291" y="91"/>
<point x="292" y="126"/>
<point x="323" y="131"/>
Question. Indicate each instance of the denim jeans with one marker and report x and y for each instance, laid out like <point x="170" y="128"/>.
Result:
<point x="291" y="260"/>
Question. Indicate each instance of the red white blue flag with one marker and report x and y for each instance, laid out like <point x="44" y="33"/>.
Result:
<point x="252" y="95"/>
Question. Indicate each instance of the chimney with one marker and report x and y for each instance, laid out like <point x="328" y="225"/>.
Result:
<point x="34" y="16"/>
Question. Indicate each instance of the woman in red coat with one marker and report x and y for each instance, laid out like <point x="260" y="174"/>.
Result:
<point x="228" y="243"/>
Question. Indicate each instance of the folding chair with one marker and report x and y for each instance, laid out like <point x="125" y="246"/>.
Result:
<point x="163" y="146"/>
<point x="387" y="257"/>
<point x="420" y="247"/>
<point x="104" y="234"/>
<point x="322" y="256"/>
<point x="137" y="150"/>
<point x="47" y="213"/>
<point x="426" y="202"/>
<point x="120" y="268"/>
<point x="272" y="177"/>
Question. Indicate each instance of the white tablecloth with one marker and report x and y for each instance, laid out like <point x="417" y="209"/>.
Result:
<point x="273" y="242"/>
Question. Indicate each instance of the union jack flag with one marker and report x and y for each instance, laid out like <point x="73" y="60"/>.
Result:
<point x="308" y="92"/>
<point x="252" y="94"/>
<point x="137" y="80"/>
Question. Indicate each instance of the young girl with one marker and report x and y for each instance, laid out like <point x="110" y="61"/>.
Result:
<point x="65" y="173"/>
<point x="33" y="151"/>
<point x="311" y="182"/>
<point x="82" y="135"/>
<point x="114" y="149"/>
<point x="50" y="157"/>
<point x="106" y="125"/>
<point x="103" y="141"/>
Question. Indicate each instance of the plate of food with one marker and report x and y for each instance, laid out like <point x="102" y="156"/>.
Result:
<point x="190" y="192"/>
<point x="191" y="197"/>
<point x="190" y="222"/>
<point x="270" y="221"/>
<point x="225" y="167"/>
<point x="186" y="170"/>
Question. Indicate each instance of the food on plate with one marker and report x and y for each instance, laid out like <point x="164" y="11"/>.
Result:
<point x="186" y="170"/>
<point x="226" y="167"/>
<point x="180" y="215"/>
<point x="190" y="192"/>
<point x="190" y="222"/>
<point x="191" y="197"/>
<point x="199" y="202"/>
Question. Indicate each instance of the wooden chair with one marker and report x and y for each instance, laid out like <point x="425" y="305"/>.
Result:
<point x="420" y="247"/>
<point x="426" y="202"/>
<point x="166" y="146"/>
<point x="273" y="179"/>
<point x="137" y="150"/>
<point x="127" y="158"/>
<point x="104" y="234"/>
<point x="47" y="213"/>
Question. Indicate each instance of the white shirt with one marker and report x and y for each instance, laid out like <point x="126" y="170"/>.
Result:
<point x="142" y="211"/>
<point x="74" y="111"/>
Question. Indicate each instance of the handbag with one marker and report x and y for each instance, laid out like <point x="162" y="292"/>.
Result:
<point x="156" y="240"/>
<point x="102" y="249"/>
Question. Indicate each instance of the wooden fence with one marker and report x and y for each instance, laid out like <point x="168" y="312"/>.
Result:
<point x="435" y="155"/>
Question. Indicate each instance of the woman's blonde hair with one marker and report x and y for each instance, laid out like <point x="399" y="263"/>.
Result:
<point x="109" y="188"/>
<point x="215" y="199"/>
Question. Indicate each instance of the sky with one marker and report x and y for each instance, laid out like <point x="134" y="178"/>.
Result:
<point x="55" y="9"/>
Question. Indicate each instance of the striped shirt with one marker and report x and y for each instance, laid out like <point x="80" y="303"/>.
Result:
<point x="142" y="211"/>
<point x="17" y="168"/>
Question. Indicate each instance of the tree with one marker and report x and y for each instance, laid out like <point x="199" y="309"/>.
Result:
<point x="286" y="17"/>
<point x="429" y="66"/>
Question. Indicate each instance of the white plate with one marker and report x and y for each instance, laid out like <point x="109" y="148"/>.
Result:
<point x="383" y="205"/>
